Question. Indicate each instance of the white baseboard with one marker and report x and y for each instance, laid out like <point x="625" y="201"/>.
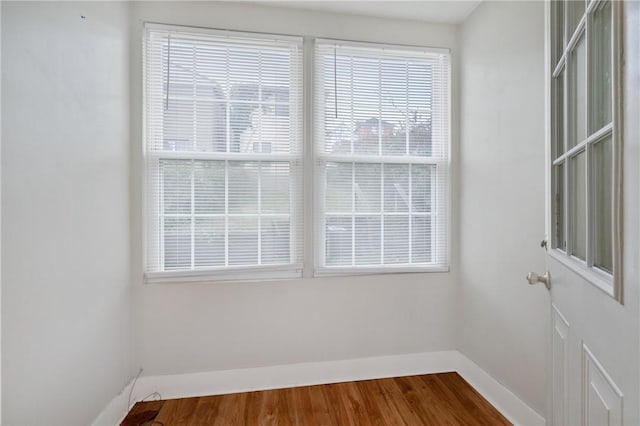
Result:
<point x="315" y="373"/>
<point x="116" y="410"/>
<point x="505" y="401"/>
<point x="292" y="375"/>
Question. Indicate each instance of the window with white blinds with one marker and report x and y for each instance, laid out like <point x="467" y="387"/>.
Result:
<point x="382" y="157"/>
<point x="223" y="138"/>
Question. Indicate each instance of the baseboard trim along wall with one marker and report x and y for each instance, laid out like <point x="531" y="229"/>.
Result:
<point x="315" y="373"/>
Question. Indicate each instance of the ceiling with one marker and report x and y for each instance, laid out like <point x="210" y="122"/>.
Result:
<point x="442" y="11"/>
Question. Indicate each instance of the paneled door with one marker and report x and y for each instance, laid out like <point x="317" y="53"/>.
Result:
<point x="592" y="214"/>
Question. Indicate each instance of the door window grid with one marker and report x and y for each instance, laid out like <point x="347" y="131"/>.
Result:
<point x="571" y="144"/>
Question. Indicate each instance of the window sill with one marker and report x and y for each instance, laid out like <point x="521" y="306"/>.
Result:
<point x="599" y="279"/>
<point x="279" y="272"/>
<point x="244" y="274"/>
<point x="345" y="271"/>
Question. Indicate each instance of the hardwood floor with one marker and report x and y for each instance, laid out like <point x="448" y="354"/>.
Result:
<point x="434" y="399"/>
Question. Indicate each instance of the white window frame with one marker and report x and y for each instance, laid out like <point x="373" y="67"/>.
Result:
<point x="443" y="209"/>
<point x="151" y="163"/>
<point x="611" y="284"/>
<point x="308" y="159"/>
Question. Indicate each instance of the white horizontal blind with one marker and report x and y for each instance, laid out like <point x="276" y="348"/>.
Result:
<point x="382" y="157"/>
<point x="223" y="151"/>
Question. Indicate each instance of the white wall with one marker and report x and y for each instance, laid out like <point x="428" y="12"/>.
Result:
<point x="502" y="321"/>
<point x="198" y="327"/>
<point x="68" y="331"/>
<point x="65" y="220"/>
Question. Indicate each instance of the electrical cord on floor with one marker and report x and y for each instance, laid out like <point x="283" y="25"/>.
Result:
<point x="131" y="390"/>
<point x="154" y="394"/>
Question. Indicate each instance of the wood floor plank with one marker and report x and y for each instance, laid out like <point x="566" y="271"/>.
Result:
<point x="466" y="399"/>
<point x="231" y="410"/>
<point x="435" y="399"/>
<point x="304" y="406"/>
<point x="395" y="396"/>
<point x="389" y="411"/>
<point x="207" y="410"/>
<point x="352" y="401"/>
<point x="252" y="408"/>
<point x="169" y="414"/>
<point x="268" y="413"/>
<point x="321" y="409"/>
<point x="286" y="411"/>
<point x="143" y="412"/>
<point x="339" y="415"/>
<point x="440" y="408"/>
<point x="430" y="414"/>
<point x="378" y="414"/>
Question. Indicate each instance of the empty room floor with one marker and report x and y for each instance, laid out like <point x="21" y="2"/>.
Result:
<point x="433" y="399"/>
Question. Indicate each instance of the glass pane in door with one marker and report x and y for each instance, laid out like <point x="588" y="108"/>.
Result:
<point x="558" y="208"/>
<point x="557" y="31"/>
<point x="602" y="195"/>
<point x="578" y="205"/>
<point x="577" y="91"/>
<point x="557" y="114"/>
<point x="601" y="67"/>
<point x="575" y="10"/>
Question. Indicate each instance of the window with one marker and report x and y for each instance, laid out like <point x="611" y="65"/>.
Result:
<point x="586" y="140"/>
<point x="223" y="154"/>
<point x="381" y="158"/>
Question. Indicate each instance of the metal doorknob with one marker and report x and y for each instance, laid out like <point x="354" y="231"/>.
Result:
<point x="545" y="279"/>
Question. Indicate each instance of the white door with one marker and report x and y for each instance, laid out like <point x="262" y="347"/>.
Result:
<point x="593" y="221"/>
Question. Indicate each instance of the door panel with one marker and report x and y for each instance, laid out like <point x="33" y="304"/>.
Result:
<point x="594" y="353"/>
<point x="560" y="361"/>
<point x="602" y="401"/>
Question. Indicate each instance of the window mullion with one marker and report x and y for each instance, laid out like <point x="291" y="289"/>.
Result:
<point x="406" y="142"/>
<point x="589" y="237"/>
<point x="353" y="214"/>
<point x="293" y="231"/>
<point x="351" y="98"/>
<point x="193" y="214"/>
<point x="226" y="213"/>
<point x="434" y="218"/>
<point x="379" y="107"/>
<point x="382" y="213"/>
<point x="260" y="212"/>
<point x="363" y="158"/>
<point x="228" y="107"/>
<point x="194" y="108"/>
<point x="410" y="218"/>
<point x="160" y="247"/>
<point x="260" y="111"/>
<point x="194" y="130"/>
<point x="406" y="132"/>
<point x="567" y="163"/>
